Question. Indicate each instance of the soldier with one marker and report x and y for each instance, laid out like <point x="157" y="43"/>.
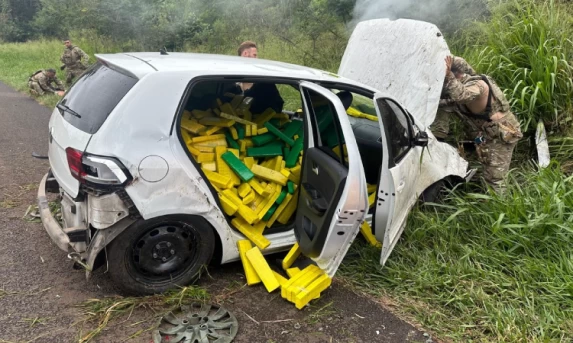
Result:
<point x="41" y="81"/>
<point x="74" y="60"/>
<point x="441" y="125"/>
<point x="484" y="106"/>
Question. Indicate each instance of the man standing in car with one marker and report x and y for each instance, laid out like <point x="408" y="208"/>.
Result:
<point x="248" y="49"/>
<point x="74" y="60"/>
<point x="264" y="95"/>
<point x="482" y="103"/>
<point x="41" y="81"/>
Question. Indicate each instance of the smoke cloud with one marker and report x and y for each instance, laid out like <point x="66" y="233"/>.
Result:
<point x="448" y="15"/>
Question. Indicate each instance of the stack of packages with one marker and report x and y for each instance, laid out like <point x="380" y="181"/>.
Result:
<point x="254" y="164"/>
<point x="365" y="228"/>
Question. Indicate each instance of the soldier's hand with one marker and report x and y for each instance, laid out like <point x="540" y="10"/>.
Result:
<point x="449" y="61"/>
<point x="60" y="93"/>
<point x="62" y="67"/>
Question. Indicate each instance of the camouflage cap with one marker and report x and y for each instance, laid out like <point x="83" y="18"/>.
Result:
<point x="461" y="65"/>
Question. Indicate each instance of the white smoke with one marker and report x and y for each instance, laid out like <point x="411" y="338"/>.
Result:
<point x="427" y="10"/>
<point x="446" y="14"/>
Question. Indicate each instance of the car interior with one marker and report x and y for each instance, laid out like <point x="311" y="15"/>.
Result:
<point x="286" y="102"/>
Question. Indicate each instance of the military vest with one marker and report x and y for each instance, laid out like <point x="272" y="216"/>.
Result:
<point x="31" y="78"/>
<point x="71" y="57"/>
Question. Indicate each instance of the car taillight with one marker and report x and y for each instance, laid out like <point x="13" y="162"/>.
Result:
<point x="75" y="164"/>
<point x="96" y="170"/>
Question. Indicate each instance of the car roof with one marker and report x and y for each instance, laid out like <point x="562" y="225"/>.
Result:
<point x="139" y="64"/>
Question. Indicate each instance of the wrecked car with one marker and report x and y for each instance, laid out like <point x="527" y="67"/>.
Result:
<point x="163" y="162"/>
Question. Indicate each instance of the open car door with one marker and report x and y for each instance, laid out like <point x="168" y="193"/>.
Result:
<point x="400" y="180"/>
<point x="333" y="197"/>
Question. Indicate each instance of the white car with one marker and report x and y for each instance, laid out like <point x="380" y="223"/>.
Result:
<point x="131" y="191"/>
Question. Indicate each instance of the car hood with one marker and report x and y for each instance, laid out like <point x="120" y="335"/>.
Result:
<point x="402" y="58"/>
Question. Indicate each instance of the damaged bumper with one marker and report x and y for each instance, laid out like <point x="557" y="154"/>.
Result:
<point x="53" y="228"/>
<point x="77" y="249"/>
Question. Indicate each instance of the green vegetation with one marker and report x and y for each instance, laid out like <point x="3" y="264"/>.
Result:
<point x="19" y="60"/>
<point x="100" y="312"/>
<point x="484" y="267"/>
<point x="526" y="47"/>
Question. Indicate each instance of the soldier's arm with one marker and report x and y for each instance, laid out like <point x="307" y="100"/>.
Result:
<point x="85" y="57"/>
<point x="464" y="93"/>
<point x="45" y="84"/>
<point x="59" y="84"/>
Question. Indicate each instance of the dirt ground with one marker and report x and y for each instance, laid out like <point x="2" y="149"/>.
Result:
<point x="39" y="290"/>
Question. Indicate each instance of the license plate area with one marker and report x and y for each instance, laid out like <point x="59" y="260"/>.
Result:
<point x="73" y="212"/>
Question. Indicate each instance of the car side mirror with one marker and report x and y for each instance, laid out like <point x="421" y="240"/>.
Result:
<point x="421" y="139"/>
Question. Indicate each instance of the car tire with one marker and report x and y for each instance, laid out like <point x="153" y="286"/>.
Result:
<point x="434" y="193"/>
<point x="153" y="256"/>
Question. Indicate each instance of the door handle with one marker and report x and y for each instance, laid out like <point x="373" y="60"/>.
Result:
<point x="315" y="168"/>
<point x="314" y="200"/>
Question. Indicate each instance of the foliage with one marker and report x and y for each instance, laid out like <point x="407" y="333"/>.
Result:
<point x="526" y="47"/>
<point x="15" y="18"/>
<point x="484" y="267"/>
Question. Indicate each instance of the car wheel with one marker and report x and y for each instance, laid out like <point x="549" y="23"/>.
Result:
<point x="152" y="256"/>
<point x="434" y="193"/>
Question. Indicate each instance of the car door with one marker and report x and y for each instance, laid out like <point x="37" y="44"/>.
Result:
<point x="400" y="173"/>
<point x="332" y="197"/>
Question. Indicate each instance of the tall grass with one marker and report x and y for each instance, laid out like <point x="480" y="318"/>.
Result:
<point x="526" y="47"/>
<point x="19" y="60"/>
<point x="484" y="267"/>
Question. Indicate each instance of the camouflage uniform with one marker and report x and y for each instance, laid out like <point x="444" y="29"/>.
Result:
<point x="40" y="83"/>
<point x="72" y="60"/>
<point x="441" y="125"/>
<point x="497" y="124"/>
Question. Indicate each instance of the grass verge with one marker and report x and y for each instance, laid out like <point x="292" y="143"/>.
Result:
<point x="526" y="47"/>
<point x="484" y="267"/>
<point x="100" y="312"/>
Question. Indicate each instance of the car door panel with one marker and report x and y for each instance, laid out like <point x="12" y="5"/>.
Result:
<point x="385" y="193"/>
<point x="333" y="198"/>
<point x="323" y="180"/>
<point x="399" y="177"/>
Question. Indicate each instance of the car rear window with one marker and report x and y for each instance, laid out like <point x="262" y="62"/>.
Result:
<point x="93" y="96"/>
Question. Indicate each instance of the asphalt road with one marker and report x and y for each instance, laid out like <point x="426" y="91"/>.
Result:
<point x="39" y="290"/>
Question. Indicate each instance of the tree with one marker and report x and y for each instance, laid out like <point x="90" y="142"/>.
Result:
<point x="15" y="19"/>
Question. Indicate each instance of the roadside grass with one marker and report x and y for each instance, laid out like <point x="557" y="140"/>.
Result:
<point x="19" y="60"/>
<point x="321" y="313"/>
<point x="100" y="312"/>
<point x="561" y="149"/>
<point x="30" y="293"/>
<point x="526" y="47"/>
<point x="483" y="267"/>
<point x="35" y="321"/>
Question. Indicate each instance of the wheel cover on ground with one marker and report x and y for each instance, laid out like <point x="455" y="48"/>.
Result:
<point x="197" y="323"/>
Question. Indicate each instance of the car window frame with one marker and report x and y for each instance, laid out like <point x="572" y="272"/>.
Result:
<point x="394" y="160"/>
